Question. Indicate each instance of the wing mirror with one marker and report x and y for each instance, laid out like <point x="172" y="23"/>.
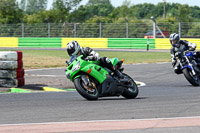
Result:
<point x="67" y="63"/>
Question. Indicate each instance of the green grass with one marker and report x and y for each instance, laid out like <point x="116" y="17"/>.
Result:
<point x="56" y="58"/>
<point x="139" y="57"/>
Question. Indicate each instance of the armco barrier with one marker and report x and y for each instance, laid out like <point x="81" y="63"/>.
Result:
<point x="87" y="42"/>
<point x="8" y="42"/>
<point x="119" y="43"/>
<point x="130" y="43"/>
<point x="40" y="42"/>
<point x="164" y="43"/>
<point x="11" y="69"/>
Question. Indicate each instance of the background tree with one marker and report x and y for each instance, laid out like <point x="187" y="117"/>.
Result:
<point x="65" y="4"/>
<point x="94" y="2"/>
<point x="33" y="6"/>
<point x="195" y="12"/>
<point x="184" y="13"/>
<point x="80" y="15"/>
<point x="99" y="7"/>
<point x="10" y="12"/>
<point x="63" y="7"/>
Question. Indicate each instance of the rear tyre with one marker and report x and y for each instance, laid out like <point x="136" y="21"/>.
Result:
<point x="130" y="93"/>
<point x="89" y="93"/>
<point x="193" y="79"/>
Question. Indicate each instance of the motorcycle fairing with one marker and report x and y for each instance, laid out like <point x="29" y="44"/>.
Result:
<point x="187" y="66"/>
<point x="110" y="87"/>
<point x="95" y="71"/>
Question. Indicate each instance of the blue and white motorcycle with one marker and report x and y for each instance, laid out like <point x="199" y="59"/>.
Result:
<point x="190" y="66"/>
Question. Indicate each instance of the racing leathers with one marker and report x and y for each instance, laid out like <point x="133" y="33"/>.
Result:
<point x="90" y="54"/>
<point x="178" y="50"/>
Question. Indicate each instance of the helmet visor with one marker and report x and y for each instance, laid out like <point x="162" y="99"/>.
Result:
<point x="174" y="42"/>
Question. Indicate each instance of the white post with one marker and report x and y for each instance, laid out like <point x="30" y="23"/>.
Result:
<point x="22" y="29"/>
<point x="100" y="30"/>
<point x="179" y="27"/>
<point x="74" y="30"/>
<point x="154" y="29"/>
<point x="49" y="29"/>
<point x="127" y="29"/>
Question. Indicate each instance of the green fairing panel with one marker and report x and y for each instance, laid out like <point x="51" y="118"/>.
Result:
<point x="76" y="77"/>
<point x="99" y="75"/>
<point x="114" y="61"/>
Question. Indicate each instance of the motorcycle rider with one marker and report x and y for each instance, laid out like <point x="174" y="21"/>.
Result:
<point x="73" y="48"/>
<point x="177" y="49"/>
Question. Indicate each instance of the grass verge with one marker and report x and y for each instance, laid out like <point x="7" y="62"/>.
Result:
<point x="34" y="59"/>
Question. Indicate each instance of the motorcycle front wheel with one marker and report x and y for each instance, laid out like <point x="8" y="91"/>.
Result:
<point x="132" y="92"/>
<point x="88" y="92"/>
<point x="193" y="79"/>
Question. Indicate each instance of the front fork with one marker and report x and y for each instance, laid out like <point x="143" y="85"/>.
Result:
<point x="190" y="64"/>
<point x="86" y="80"/>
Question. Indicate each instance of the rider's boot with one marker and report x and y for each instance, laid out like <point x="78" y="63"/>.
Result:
<point x="111" y="67"/>
<point x="118" y="74"/>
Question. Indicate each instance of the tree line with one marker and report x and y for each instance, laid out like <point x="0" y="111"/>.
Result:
<point x="35" y="11"/>
<point x="64" y="13"/>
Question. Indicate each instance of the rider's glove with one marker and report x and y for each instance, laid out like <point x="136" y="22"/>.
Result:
<point x="176" y="54"/>
<point x="90" y="58"/>
<point x="191" y="49"/>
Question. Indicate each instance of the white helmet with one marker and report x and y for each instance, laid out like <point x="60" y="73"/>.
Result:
<point x="73" y="48"/>
<point x="174" y="39"/>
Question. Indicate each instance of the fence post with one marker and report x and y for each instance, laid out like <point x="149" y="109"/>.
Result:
<point x="100" y="30"/>
<point x="49" y="29"/>
<point x="154" y="27"/>
<point x="74" y="30"/>
<point x="179" y="27"/>
<point x="127" y="26"/>
<point x="148" y="43"/>
<point x="23" y="29"/>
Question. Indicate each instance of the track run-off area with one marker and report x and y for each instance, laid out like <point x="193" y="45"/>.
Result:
<point x="168" y="103"/>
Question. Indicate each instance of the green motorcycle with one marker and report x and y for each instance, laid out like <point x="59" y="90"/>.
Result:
<point x="93" y="81"/>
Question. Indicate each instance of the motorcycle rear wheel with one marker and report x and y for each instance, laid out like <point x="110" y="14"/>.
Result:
<point x="194" y="80"/>
<point x="130" y="93"/>
<point x="86" y="91"/>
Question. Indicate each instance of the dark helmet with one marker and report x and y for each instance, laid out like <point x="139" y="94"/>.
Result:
<point x="73" y="48"/>
<point x="174" y="39"/>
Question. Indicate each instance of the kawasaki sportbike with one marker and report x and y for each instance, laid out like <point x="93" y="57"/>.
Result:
<point x="93" y="81"/>
<point x="190" y="64"/>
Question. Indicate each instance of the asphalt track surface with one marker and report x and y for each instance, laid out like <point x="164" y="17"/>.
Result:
<point x="166" y="97"/>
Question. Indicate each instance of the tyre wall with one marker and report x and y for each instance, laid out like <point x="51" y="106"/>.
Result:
<point x="11" y="69"/>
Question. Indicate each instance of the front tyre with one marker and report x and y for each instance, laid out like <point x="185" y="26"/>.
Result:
<point x="193" y="79"/>
<point x="132" y="92"/>
<point x="89" y="93"/>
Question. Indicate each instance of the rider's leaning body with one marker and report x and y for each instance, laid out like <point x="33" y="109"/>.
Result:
<point x="73" y="48"/>
<point x="177" y="49"/>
